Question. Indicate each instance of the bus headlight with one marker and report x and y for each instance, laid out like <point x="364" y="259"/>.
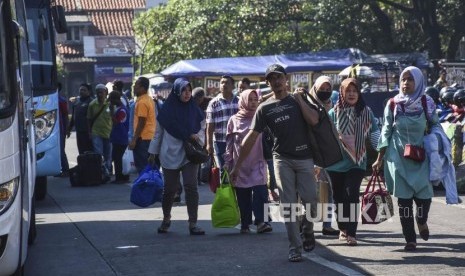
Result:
<point x="7" y="194"/>
<point x="44" y="125"/>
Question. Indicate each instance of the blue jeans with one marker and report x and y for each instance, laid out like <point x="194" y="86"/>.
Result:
<point x="219" y="149"/>
<point x="141" y="154"/>
<point x="102" y="146"/>
<point x="250" y="200"/>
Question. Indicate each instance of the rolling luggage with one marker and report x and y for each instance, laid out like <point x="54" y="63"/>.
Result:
<point x="89" y="170"/>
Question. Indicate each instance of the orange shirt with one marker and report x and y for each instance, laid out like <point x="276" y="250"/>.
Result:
<point x="145" y="107"/>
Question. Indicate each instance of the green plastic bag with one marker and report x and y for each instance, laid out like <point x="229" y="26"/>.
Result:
<point x="225" y="212"/>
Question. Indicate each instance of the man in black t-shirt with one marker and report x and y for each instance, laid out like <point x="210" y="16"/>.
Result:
<point x="288" y="118"/>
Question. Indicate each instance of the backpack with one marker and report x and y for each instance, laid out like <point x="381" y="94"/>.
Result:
<point x="392" y="105"/>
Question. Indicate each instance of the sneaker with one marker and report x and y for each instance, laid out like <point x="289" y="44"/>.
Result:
<point x="264" y="228"/>
<point x="196" y="231"/>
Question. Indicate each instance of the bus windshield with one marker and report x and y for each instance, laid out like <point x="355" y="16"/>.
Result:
<point x="41" y="46"/>
<point x="5" y="93"/>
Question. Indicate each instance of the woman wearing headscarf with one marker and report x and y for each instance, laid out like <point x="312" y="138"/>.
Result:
<point x="354" y="122"/>
<point x="322" y="93"/>
<point x="179" y="120"/>
<point x="408" y="180"/>
<point x="250" y="184"/>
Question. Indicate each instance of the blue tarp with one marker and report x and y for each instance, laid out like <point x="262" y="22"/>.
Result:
<point x="256" y="66"/>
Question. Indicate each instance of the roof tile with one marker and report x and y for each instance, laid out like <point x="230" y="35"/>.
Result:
<point x="117" y="23"/>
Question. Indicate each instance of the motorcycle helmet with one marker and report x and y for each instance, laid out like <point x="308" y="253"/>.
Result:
<point x="447" y="97"/>
<point x="433" y="93"/>
<point x="459" y="97"/>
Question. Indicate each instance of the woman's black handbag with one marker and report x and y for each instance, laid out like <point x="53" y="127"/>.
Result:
<point x="195" y="153"/>
<point x="323" y="137"/>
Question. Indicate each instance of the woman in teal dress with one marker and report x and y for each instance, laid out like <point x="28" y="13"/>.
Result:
<point x="355" y="123"/>
<point x="405" y="122"/>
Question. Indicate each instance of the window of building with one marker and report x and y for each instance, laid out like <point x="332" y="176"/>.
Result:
<point x="74" y="33"/>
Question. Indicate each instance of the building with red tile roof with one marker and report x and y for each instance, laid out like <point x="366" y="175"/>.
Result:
<point x="99" y="45"/>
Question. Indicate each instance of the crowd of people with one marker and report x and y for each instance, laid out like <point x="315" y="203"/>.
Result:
<point x="262" y="141"/>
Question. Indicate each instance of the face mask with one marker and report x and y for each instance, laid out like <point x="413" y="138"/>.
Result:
<point x="323" y="95"/>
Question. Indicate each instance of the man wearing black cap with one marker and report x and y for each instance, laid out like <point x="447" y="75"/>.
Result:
<point x="288" y="118"/>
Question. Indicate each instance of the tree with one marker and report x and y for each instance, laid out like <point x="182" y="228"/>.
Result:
<point x="192" y="29"/>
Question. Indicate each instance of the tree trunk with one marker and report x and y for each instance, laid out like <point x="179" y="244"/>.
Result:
<point x="425" y="12"/>
<point x="387" y="41"/>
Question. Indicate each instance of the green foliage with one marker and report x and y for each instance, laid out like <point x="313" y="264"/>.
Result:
<point x="192" y="29"/>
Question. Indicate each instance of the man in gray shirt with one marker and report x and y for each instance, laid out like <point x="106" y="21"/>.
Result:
<point x="288" y="117"/>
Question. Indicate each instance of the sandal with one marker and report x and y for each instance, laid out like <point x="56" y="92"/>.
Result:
<point x="165" y="225"/>
<point x="351" y="241"/>
<point x="196" y="231"/>
<point x="294" y="256"/>
<point x="343" y="235"/>
<point x="308" y="243"/>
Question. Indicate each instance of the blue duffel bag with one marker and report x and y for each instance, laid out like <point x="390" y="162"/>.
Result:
<point x="148" y="187"/>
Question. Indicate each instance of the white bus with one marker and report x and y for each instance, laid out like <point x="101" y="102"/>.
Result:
<point x="17" y="140"/>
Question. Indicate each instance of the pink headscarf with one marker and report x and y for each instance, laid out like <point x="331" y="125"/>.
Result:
<point x="244" y="109"/>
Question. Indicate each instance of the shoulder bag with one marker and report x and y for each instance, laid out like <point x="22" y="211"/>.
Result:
<point x="195" y="152"/>
<point x="323" y="137"/>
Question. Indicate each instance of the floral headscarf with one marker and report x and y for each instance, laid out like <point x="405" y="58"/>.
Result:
<point x="410" y="104"/>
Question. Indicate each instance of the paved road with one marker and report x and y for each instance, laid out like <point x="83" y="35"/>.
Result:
<point x="97" y="231"/>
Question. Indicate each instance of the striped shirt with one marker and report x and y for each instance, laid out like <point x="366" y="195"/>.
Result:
<point x="219" y="111"/>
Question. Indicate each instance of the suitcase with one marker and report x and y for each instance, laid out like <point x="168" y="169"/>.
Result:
<point x="89" y="171"/>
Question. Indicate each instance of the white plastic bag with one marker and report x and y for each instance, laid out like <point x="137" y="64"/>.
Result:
<point x="128" y="162"/>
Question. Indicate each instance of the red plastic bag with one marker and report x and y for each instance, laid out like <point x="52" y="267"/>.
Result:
<point x="214" y="180"/>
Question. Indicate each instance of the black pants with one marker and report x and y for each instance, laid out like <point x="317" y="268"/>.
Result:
<point x="252" y="200"/>
<point x="406" y="215"/>
<point x="84" y="143"/>
<point x="117" y="152"/>
<point x="346" y="195"/>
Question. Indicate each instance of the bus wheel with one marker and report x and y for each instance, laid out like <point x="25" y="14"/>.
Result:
<point x="41" y="187"/>
<point x="32" y="224"/>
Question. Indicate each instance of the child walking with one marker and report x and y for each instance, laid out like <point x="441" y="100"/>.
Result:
<point x="250" y="185"/>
